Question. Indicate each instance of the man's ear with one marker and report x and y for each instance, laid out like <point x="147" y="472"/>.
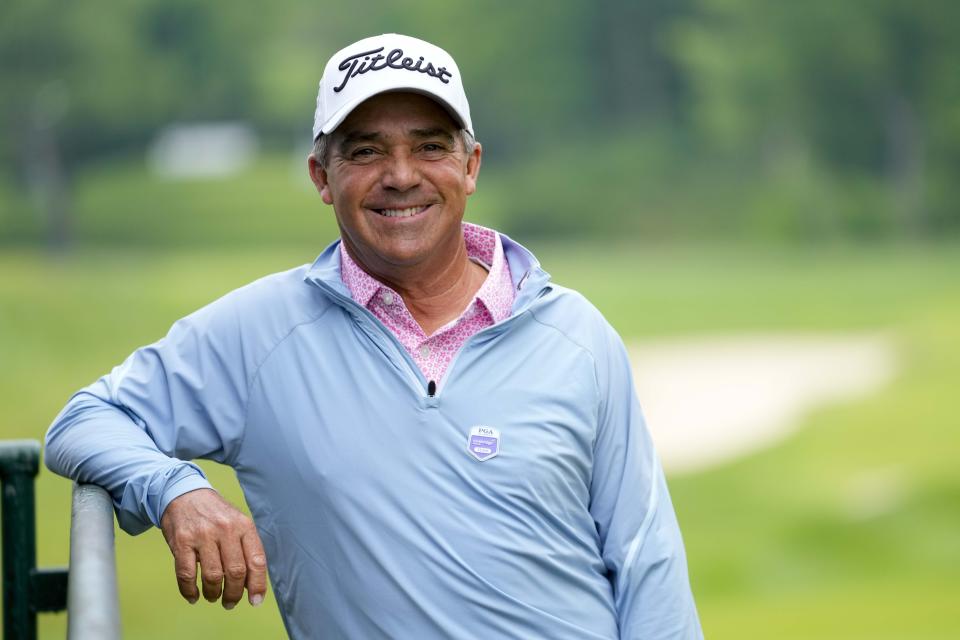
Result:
<point x="319" y="177"/>
<point x="473" y="168"/>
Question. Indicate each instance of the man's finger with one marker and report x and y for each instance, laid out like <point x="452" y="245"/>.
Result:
<point x="234" y="571"/>
<point x="256" y="566"/>
<point x="211" y="572"/>
<point x="185" y="566"/>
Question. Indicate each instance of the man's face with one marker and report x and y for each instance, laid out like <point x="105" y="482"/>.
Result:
<point x="398" y="179"/>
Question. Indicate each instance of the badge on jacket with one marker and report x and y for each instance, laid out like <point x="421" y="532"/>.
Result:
<point x="483" y="443"/>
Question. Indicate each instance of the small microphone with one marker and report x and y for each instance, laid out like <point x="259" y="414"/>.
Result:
<point x="431" y="388"/>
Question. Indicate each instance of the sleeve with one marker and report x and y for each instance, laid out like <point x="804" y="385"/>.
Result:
<point x="640" y="538"/>
<point x="134" y="430"/>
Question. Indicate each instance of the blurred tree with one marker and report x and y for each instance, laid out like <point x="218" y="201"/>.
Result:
<point x="34" y="102"/>
<point x="632" y="72"/>
<point x="86" y="79"/>
<point x="861" y="89"/>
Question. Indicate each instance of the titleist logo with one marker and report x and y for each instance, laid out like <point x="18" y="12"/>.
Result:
<point x="374" y="60"/>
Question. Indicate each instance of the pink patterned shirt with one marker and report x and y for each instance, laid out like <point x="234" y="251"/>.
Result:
<point x="433" y="354"/>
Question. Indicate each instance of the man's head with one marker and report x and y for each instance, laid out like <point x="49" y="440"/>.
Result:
<point x="394" y="152"/>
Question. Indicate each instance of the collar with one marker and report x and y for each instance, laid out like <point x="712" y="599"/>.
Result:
<point x="528" y="278"/>
<point x="496" y="293"/>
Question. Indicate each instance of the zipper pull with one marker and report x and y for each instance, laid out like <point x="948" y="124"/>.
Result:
<point x="523" y="280"/>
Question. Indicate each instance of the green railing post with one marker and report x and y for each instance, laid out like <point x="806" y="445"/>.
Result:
<point x="26" y="590"/>
<point x="19" y="463"/>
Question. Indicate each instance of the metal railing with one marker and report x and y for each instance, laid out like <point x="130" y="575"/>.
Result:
<point x="93" y="609"/>
<point x="89" y="589"/>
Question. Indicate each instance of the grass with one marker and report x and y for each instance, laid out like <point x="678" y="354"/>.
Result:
<point x="847" y="530"/>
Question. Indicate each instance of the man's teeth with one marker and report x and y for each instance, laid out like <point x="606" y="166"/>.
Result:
<point x="400" y="213"/>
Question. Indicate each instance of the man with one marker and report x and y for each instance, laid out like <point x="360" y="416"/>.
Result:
<point x="433" y="439"/>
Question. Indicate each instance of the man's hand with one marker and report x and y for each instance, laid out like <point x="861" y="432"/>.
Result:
<point x="200" y="526"/>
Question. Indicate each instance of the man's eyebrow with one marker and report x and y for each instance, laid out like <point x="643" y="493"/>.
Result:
<point x="354" y="137"/>
<point x="433" y="132"/>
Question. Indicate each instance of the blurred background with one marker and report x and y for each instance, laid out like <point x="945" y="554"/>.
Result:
<point x="706" y="171"/>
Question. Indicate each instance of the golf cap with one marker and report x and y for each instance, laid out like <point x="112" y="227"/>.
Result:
<point x="388" y="62"/>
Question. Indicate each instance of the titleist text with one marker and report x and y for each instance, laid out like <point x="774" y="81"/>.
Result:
<point x="374" y="60"/>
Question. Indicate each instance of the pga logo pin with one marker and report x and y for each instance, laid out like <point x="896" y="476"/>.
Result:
<point x="483" y="443"/>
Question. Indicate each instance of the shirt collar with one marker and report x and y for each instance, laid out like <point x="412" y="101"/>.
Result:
<point x="530" y="281"/>
<point x="483" y="244"/>
<point x="361" y="285"/>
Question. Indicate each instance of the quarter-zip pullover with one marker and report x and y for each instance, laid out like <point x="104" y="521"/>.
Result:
<point x="523" y="500"/>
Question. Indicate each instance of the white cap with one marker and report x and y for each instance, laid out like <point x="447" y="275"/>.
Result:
<point x="389" y="62"/>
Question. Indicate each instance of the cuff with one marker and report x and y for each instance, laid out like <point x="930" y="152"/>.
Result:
<point x="190" y="479"/>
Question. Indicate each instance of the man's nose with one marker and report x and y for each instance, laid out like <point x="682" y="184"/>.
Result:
<point x="401" y="172"/>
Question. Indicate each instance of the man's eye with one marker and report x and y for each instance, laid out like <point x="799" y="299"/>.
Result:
<point x="432" y="147"/>
<point x="362" y="152"/>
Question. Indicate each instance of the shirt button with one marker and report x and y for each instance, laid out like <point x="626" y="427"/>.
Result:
<point x="424" y="351"/>
<point x="387" y="298"/>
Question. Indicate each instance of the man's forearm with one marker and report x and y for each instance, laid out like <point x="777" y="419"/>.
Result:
<point x="95" y="441"/>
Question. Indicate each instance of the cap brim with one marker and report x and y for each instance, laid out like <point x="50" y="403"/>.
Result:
<point x="341" y="114"/>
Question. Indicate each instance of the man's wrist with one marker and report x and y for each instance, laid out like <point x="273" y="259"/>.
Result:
<point x="190" y="480"/>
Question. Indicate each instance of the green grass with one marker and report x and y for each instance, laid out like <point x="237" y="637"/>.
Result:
<point x="846" y="530"/>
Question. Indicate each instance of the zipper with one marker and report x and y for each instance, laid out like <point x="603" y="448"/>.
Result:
<point x="414" y="374"/>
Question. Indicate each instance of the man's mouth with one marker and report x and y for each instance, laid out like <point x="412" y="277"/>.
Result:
<point x="407" y="212"/>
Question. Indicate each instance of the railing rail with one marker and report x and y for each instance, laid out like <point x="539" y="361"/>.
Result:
<point x="93" y="610"/>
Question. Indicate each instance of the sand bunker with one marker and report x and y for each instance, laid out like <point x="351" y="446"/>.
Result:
<point x="710" y="400"/>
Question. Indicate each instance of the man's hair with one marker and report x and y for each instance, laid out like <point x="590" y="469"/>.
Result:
<point x="321" y="147"/>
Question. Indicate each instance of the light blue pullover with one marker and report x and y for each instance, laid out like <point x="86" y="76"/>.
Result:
<point x="377" y="520"/>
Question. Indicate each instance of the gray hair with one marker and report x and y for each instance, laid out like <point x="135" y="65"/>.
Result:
<point x="321" y="146"/>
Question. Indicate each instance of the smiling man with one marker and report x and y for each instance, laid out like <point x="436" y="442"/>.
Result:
<point x="434" y="440"/>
